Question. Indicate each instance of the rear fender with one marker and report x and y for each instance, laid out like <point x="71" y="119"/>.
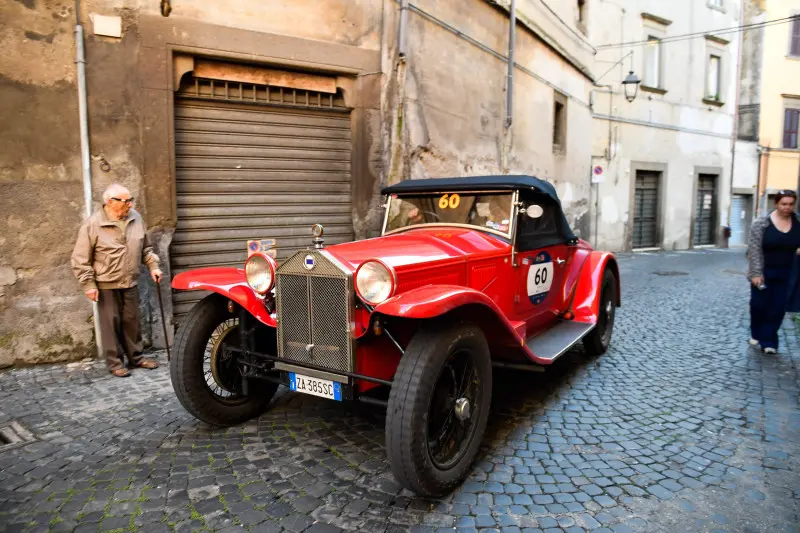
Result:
<point x="229" y="282"/>
<point x="435" y="301"/>
<point x="586" y="301"/>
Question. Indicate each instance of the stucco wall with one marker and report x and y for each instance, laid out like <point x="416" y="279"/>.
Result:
<point x="42" y="316"/>
<point x="745" y="175"/>
<point x="453" y="115"/>
<point x="439" y="113"/>
<point x="780" y="78"/>
<point x="676" y="130"/>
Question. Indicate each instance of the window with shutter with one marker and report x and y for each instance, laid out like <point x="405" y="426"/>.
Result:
<point x="791" y="118"/>
<point x="713" y="75"/>
<point x="652" y="66"/>
<point x="794" y="46"/>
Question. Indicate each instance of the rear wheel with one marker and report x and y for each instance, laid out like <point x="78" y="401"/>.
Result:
<point x="206" y="377"/>
<point x="597" y="342"/>
<point x="438" y="408"/>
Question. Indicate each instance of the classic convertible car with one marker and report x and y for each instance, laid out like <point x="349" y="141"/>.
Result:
<point x="469" y="273"/>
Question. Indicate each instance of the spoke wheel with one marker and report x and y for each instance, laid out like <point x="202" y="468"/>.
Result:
<point x="438" y="407"/>
<point x="205" y="376"/>
<point x="598" y="341"/>
<point x="449" y="430"/>
<point x="220" y="371"/>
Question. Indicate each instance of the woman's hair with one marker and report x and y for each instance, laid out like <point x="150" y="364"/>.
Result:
<point x="783" y="193"/>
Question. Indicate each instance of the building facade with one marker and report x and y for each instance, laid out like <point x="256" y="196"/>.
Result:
<point x="770" y="102"/>
<point x="662" y="163"/>
<point x="253" y="120"/>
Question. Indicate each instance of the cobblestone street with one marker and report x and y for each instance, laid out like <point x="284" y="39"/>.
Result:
<point x="680" y="427"/>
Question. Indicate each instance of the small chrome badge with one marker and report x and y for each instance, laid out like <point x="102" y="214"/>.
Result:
<point x="309" y="262"/>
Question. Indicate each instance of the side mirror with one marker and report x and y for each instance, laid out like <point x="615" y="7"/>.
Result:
<point x="534" y="211"/>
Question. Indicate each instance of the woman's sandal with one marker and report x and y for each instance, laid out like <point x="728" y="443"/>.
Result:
<point x="121" y="372"/>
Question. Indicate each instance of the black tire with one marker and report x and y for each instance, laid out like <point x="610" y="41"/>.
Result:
<point x="190" y="381"/>
<point x="597" y="342"/>
<point x="412" y="398"/>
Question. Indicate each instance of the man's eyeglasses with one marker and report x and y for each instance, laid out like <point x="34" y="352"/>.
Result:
<point x="127" y="201"/>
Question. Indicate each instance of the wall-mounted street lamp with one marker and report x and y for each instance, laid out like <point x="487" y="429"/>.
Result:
<point x="631" y="86"/>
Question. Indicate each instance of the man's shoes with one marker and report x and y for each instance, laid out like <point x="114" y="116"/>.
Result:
<point x="753" y="342"/>
<point x="770" y="351"/>
<point x="149" y="364"/>
<point x="121" y="372"/>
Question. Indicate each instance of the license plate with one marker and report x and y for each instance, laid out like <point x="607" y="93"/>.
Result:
<point x="315" y="386"/>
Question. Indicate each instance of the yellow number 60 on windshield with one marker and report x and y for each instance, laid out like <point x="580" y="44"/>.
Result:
<point x="449" y="201"/>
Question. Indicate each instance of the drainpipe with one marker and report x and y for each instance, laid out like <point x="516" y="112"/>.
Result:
<point x="510" y="85"/>
<point x="86" y="166"/>
<point x="735" y="134"/>
<point x="402" y="32"/>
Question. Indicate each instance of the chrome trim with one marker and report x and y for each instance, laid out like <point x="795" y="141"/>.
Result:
<point x="442" y="225"/>
<point x="514" y="224"/>
<point x="389" y="268"/>
<point x="311" y="373"/>
<point x="349" y="295"/>
<point x="514" y="196"/>
<point x="386" y="213"/>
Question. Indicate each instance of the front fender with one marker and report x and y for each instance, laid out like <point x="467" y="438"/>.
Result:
<point x="465" y="303"/>
<point x="431" y="301"/>
<point x="587" y="293"/>
<point x="229" y="282"/>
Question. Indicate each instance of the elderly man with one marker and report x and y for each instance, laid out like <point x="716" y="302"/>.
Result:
<point x="111" y="246"/>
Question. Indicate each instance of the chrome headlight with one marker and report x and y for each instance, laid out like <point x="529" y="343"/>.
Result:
<point x="260" y="272"/>
<point x="375" y="282"/>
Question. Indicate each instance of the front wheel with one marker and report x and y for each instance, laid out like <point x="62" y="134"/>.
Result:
<point x="597" y="342"/>
<point x="438" y="408"/>
<point x="206" y="377"/>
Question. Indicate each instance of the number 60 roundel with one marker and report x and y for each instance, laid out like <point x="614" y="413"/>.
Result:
<point x="540" y="277"/>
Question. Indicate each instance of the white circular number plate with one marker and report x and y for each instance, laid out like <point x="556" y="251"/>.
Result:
<point x="540" y="278"/>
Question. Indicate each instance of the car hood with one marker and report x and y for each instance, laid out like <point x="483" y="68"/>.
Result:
<point x="421" y="247"/>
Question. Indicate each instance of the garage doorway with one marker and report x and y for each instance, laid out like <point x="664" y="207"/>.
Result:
<point x="645" y="209"/>
<point x="705" y="214"/>
<point x="256" y="162"/>
<point x="741" y="209"/>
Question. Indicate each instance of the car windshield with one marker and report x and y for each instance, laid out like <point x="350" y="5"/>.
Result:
<point x="489" y="211"/>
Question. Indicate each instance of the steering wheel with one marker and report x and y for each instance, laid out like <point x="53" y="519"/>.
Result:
<point x="432" y="214"/>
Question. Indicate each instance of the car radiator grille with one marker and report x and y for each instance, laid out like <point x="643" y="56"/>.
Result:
<point x="314" y="313"/>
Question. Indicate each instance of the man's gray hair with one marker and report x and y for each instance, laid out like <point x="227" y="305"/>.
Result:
<point x="113" y="190"/>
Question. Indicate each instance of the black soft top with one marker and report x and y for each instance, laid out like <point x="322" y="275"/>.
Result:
<point x="473" y="183"/>
<point x="530" y="187"/>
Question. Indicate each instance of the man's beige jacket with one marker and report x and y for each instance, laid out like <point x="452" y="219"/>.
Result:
<point x="106" y="257"/>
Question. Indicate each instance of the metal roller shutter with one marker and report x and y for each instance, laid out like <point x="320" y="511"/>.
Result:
<point x="256" y="162"/>
<point x="740" y="219"/>
<point x="705" y="210"/>
<point x="645" y="213"/>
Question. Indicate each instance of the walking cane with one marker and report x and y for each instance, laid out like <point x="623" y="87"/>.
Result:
<point x="163" y="322"/>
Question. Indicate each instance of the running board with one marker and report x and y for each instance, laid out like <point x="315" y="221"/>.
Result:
<point x="554" y="342"/>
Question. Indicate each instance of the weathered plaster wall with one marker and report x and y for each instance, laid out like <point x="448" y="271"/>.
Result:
<point x="676" y="129"/>
<point x="745" y="173"/>
<point x="447" y="102"/>
<point x="42" y="317"/>
<point x="440" y="113"/>
<point x="780" y="79"/>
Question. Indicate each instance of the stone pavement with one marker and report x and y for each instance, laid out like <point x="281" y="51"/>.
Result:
<point x="679" y="427"/>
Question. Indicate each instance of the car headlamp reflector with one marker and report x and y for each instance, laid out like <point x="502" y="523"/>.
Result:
<point x="260" y="272"/>
<point x="375" y="282"/>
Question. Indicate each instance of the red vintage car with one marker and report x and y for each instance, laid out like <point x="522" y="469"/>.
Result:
<point x="469" y="273"/>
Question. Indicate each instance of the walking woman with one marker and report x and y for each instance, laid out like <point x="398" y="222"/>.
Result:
<point x="772" y="256"/>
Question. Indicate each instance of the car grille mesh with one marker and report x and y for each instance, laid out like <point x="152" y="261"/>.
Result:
<point x="313" y="312"/>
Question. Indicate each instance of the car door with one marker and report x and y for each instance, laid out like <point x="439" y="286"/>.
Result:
<point x="543" y="260"/>
<point x="540" y="275"/>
